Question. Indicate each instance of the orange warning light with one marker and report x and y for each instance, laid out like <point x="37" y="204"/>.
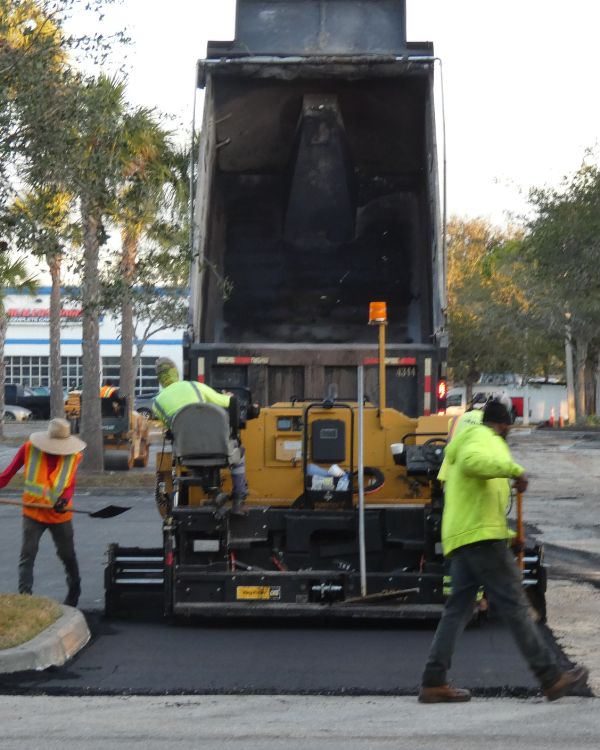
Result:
<point x="377" y="312"/>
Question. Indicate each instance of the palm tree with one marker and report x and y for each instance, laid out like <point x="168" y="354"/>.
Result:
<point x="13" y="274"/>
<point x="146" y="169"/>
<point x="40" y="221"/>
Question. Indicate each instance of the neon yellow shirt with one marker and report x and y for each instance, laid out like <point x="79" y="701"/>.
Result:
<point x="477" y="490"/>
<point x="183" y="393"/>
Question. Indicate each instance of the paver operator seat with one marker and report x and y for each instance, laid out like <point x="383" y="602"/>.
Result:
<point x="203" y="445"/>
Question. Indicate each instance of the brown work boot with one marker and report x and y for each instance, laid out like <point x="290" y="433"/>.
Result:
<point x="443" y="694"/>
<point x="569" y="681"/>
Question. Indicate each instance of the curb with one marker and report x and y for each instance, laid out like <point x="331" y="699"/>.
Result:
<point x="51" y="648"/>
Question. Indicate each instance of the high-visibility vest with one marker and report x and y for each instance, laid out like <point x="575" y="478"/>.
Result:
<point x="45" y="486"/>
<point x="176" y="396"/>
<point x="107" y="391"/>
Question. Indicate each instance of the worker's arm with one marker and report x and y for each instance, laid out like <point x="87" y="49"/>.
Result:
<point x="480" y="460"/>
<point x="13" y="467"/>
<point x="214" y="397"/>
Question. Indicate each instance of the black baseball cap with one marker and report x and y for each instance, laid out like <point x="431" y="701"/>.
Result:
<point x="496" y="413"/>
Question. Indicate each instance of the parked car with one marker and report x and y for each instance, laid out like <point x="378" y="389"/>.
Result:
<point x="40" y="390"/>
<point x="143" y="405"/>
<point x="25" y="396"/>
<point x="16" y="413"/>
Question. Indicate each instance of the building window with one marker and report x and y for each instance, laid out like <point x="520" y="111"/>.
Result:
<point x="72" y="373"/>
<point x="31" y="371"/>
<point x="145" y="382"/>
<point x="111" y="367"/>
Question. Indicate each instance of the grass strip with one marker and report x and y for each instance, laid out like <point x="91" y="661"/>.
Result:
<point x="23" y="617"/>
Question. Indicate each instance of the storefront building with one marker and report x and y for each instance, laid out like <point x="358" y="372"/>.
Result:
<point x="27" y="349"/>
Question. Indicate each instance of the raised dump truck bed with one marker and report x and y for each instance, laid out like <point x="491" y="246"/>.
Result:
<point x="317" y="193"/>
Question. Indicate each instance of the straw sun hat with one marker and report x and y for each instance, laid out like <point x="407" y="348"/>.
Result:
<point x="57" y="439"/>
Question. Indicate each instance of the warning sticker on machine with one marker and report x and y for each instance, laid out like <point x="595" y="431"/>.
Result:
<point x="266" y="593"/>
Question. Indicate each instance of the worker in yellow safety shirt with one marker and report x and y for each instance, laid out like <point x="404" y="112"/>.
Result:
<point x="175" y="394"/>
<point x="471" y="416"/>
<point x="475" y="539"/>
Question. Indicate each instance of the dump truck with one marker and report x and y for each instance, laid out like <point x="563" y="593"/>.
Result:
<point x="317" y="195"/>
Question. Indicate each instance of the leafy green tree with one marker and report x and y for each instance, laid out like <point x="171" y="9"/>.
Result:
<point x="493" y="321"/>
<point x="13" y="274"/>
<point x="93" y="170"/>
<point x="35" y="63"/>
<point x="147" y="169"/>
<point x="158" y="293"/>
<point x="41" y="222"/>
<point x="85" y="159"/>
<point x="562" y="248"/>
<point x="480" y="337"/>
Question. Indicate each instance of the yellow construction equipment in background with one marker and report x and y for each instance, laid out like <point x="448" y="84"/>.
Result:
<point x="123" y="430"/>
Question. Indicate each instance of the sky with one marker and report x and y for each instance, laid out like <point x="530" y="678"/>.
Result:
<point x="519" y="76"/>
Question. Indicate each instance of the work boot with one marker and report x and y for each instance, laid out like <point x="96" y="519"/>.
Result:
<point x="570" y="681"/>
<point x="237" y="503"/>
<point x="73" y="595"/>
<point x="443" y="694"/>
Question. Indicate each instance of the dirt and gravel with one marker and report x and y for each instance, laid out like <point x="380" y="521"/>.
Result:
<point x="562" y="509"/>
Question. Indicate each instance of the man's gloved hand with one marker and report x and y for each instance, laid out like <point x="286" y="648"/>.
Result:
<point x="169" y="435"/>
<point x="521" y="483"/>
<point x="517" y="546"/>
<point x="60" y="506"/>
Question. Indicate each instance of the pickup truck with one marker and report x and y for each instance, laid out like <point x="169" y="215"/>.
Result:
<point x="21" y="395"/>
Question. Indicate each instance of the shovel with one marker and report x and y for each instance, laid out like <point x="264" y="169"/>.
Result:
<point x="520" y="529"/>
<point x="110" y="511"/>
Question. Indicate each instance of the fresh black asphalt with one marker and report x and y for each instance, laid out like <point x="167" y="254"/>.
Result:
<point x="147" y="658"/>
<point x="152" y="656"/>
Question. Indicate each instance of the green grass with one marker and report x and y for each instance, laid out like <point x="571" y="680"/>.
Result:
<point x="23" y="617"/>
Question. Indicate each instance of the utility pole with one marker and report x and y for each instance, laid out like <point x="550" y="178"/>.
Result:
<point x="569" y="369"/>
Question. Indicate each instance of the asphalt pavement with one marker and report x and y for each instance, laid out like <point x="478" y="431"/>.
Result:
<point x="153" y="657"/>
<point x="158" y="658"/>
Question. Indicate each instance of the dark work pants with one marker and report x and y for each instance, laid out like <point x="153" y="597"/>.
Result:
<point x="62" y="535"/>
<point x="493" y="566"/>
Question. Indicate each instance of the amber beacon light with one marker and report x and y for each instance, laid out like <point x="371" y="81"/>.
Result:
<point x="378" y="317"/>
<point x="377" y="312"/>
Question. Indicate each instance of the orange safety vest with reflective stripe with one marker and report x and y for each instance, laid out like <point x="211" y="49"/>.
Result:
<point x="45" y="486"/>
<point x="107" y="391"/>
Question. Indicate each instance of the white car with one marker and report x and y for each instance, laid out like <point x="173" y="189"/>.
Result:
<point x="16" y="414"/>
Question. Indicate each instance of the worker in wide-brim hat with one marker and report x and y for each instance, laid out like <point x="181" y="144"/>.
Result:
<point x="50" y="459"/>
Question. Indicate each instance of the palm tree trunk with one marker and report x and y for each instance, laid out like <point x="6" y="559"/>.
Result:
<point x="3" y="327"/>
<point x="57" y="401"/>
<point x="126" y="372"/>
<point x="91" y="421"/>
<point x="597" y="382"/>
<point x="581" y="352"/>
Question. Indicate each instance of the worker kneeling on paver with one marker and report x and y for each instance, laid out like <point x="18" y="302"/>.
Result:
<point x="177" y="394"/>
<point x="475" y="537"/>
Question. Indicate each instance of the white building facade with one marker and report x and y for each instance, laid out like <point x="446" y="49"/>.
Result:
<point x="27" y="349"/>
